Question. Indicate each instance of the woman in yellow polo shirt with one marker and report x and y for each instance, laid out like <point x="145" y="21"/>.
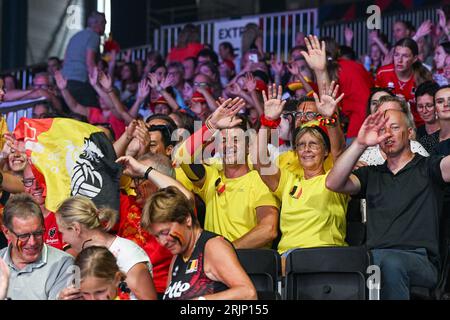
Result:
<point x="311" y="215"/>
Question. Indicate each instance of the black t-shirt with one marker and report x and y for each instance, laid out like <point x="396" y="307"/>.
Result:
<point x="428" y="141"/>
<point x="188" y="278"/>
<point x="442" y="148"/>
<point x="404" y="210"/>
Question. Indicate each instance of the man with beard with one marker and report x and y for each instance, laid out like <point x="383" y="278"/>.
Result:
<point x="404" y="202"/>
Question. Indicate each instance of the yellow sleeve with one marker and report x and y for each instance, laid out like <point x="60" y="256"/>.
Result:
<point x="285" y="176"/>
<point x="211" y="177"/>
<point x="264" y="197"/>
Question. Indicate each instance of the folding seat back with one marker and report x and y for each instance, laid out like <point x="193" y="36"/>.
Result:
<point x="263" y="268"/>
<point x="329" y="273"/>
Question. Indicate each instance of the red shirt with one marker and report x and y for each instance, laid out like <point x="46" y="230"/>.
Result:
<point x="386" y="77"/>
<point x="95" y="115"/>
<point x="180" y="54"/>
<point x="355" y="82"/>
<point x="130" y="228"/>
<point x="52" y="236"/>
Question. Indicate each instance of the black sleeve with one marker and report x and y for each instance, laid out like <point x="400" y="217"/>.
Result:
<point x="363" y="176"/>
<point x="434" y="170"/>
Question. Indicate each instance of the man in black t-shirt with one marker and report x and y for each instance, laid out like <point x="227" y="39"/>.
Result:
<point x="404" y="202"/>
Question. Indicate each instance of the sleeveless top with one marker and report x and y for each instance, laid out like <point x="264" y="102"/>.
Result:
<point x="188" y="278"/>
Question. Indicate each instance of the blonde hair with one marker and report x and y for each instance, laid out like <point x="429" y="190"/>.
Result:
<point x="167" y="205"/>
<point x="97" y="262"/>
<point x="82" y="210"/>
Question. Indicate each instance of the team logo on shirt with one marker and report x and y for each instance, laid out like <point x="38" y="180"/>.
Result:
<point x="52" y="232"/>
<point x="175" y="290"/>
<point x="296" y="192"/>
<point x="192" y="267"/>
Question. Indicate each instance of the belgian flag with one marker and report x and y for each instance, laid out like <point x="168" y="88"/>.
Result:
<point x="69" y="158"/>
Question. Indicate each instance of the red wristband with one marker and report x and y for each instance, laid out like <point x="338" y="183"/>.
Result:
<point x="273" y="124"/>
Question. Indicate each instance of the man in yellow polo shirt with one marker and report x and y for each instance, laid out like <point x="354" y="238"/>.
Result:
<point x="239" y="205"/>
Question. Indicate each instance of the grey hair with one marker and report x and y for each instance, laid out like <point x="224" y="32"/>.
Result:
<point x="160" y="163"/>
<point x="405" y="108"/>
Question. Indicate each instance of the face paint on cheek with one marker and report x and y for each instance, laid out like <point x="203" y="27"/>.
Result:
<point x="176" y="234"/>
<point x="20" y="244"/>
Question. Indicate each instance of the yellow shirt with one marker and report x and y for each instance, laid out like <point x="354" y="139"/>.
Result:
<point x="289" y="160"/>
<point x="312" y="216"/>
<point x="183" y="179"/>
<point x="231" y="203"/>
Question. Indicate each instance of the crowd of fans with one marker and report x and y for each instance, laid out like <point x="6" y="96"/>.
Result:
<point x="220" y="152"/>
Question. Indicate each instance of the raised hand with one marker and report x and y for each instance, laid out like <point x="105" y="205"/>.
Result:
<point x="294" y="70"/>
<point x="277" y="66"/>
<point x="167" y="81"/>
<point x="140" y="140"/>
<point x="250" y="82"/>
<point x="316" y="56"/>
<point x="273" y="105"/>
<point x="93" y="77"/>
<point x="370" y="133"/>
<point x="143" y="90"/>
<point x="132" y="167"/>
<point x="223" y="116"/>
<point x="105" y="81"/>
<point x="61" y="82"/>
<point x="328" y="102"/>
<point x="424" y="29"/>
<point x="153" y="80"/>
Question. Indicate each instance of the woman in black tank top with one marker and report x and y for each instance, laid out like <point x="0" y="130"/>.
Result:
<point x="205" y="265"/>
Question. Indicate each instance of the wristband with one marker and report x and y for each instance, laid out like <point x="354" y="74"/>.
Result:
<point x="149" y="169"/>
<point x="209" y="126"/>
<point x="273" y="124"/>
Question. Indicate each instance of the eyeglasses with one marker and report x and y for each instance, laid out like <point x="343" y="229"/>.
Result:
<point x="201" y="84"/>
<point x="309" y="115"/>
<point x="428" y="106"/>
<point x="24" y="237"/>
<point x="311" y="145"/>
<point x="28" y="182"/>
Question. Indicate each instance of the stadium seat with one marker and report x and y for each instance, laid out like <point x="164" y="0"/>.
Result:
<point x="263" y="268"/>
<point x="329" y="273"/>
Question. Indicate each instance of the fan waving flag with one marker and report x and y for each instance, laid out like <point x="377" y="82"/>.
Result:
<point x="70" y="158"/>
